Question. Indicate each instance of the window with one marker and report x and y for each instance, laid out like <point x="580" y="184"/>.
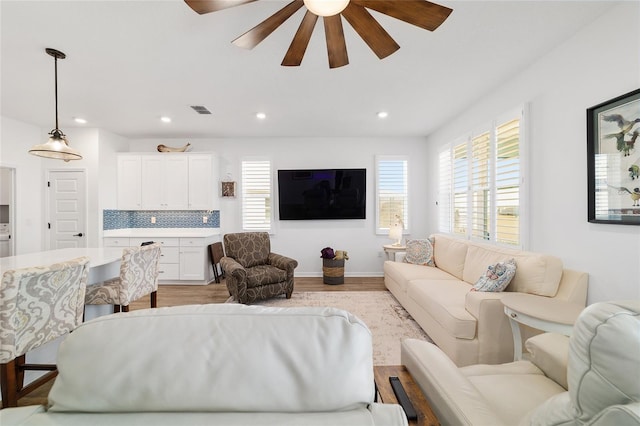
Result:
<point x="391" y="192"/>
<point x="256" y="195"/>
<point x="480" y="188"/>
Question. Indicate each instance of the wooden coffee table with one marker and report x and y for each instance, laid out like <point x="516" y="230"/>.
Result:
<point x="381" y="374"/>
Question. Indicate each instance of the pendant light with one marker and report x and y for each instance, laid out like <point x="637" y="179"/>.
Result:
<point x="57" y="146"/>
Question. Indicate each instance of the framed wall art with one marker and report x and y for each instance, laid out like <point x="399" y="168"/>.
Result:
<point x="613" y="151"/>
<point x="228" y="189"/>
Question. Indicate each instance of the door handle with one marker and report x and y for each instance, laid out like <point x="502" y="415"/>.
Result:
<point x="78" y="235"/>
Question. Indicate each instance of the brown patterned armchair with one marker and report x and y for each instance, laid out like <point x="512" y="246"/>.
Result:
<point x="252" y="271"/>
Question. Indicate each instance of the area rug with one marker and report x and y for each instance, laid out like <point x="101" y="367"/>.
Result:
<point x="386" y="318"/>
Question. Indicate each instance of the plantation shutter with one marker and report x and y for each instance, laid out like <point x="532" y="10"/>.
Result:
<point x="484" y="176"/>
<point x="481" y="186"/>
<point x="256" y="195"/>
<point x="444" y="196"/>
<point x="392" y="192"/>
<point x="460" y="188"/>
<point x="508" y="182"/>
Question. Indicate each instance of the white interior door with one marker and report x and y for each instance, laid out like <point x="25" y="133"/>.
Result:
<point x="67" y="209"/>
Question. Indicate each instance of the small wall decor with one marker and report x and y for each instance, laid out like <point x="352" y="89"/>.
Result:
<point x="164" y="148"/>
<point x="613" y="166"/>
<point x="228" y="189"/>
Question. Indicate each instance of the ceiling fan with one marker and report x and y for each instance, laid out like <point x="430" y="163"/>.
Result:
<point x="421" y="13"/>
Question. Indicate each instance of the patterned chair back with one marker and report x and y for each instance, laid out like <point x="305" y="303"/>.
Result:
<point x="138" y="272"/>
<point x="39" y="304"/>
<point x="248" y="248"/>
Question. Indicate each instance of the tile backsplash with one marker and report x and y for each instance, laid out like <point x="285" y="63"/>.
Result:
<point x="119" y="219"/>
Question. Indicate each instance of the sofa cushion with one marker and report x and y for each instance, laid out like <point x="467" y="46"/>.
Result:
<point x="217" y="357"/>
<point x="402" y="273"/>
<point x="265" y="274"/>
<point x="497" y="277"/>
<point x="449" y="254"/>
<point x="445" y="302"/>
<point x="550" y="353"/>
<point x="419" y="252"/>
<point x="535" y="273"/>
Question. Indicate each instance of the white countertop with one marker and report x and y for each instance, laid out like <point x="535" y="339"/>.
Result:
<point x="162" y="232"/>
<point x="97" y="257"/>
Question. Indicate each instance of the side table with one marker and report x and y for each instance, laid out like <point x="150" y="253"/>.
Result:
<point x="381" y="374"/>
<point x="390" y="250"/>
<point x="542" y="313"/>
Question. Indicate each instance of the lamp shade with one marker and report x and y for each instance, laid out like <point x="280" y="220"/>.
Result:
<point x="56" y="147"/>
<point x="326" y="7"/>
<point x="395" y="233"/>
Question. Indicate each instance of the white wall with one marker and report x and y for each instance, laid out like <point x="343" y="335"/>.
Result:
<point x="600" y="62"/>
<point x="16" y="138"/>
<point x="303" y="240"/>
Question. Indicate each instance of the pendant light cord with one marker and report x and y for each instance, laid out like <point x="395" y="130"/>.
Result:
<point x="55" y="64"/>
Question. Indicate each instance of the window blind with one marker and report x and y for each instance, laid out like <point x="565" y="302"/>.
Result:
<point x="392" y="192"/>
<point x="483" y="174"/>
<point x="256" y="195"/>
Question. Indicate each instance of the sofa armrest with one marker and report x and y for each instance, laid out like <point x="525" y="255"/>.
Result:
<point x="495" y="339"/>
<point x="550" y="353"/>
<point x="573" y="287"/>
<point x="283" y="262"/>
<point x="452" y="396"/>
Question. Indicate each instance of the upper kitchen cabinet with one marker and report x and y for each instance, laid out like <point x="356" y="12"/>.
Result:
<point x="168" y="181"/>
<point x="203" y="182"/>
<point x="129" y="182"/>
<point x="165" y="182"/>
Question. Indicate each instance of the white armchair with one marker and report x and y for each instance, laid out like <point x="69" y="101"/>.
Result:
<point x="592" y="378"/>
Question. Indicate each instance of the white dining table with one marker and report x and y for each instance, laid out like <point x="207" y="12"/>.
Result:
<point x="104" y="263"/>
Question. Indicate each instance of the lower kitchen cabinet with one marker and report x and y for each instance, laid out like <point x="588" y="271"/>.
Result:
<point x="183" y="260"/>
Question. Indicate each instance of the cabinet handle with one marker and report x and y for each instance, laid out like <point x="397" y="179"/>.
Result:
<point x="514" y="315"/>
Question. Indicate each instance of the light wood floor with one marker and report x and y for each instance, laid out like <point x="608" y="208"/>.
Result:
<point x="176" y="295"/>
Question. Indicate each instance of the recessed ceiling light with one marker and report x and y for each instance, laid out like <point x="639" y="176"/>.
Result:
<point x="261" y="115"/>
<point x="80" y="120"/>
<point x="383" y="114"/>
<point x="165" y="119"/>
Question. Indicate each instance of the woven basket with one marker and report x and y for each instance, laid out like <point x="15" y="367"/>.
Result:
<point x="333" y="271"/>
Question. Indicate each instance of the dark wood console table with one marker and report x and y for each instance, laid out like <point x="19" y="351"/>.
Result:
<point x="381" y="373"/>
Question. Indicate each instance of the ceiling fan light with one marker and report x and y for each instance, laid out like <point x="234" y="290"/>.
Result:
<point x="56" y="147"/>
<point x="326" y="7"/>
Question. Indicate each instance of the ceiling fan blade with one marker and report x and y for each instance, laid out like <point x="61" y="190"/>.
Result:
<point x="207" y="6"/>
<point x="336" y="46"/>
<point x="370" y="30"/>
<point x="300" y="41"/>
<point x="255" y="35"/>
<point x="421" y="13"/>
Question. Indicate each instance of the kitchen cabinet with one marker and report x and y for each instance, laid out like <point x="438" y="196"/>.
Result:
<point x="182" y="261"/>
<point x="203" y="182"/>
<point x="165" y="181"/>
<point x="129" y="182"/>
<point x="168" y="181"/>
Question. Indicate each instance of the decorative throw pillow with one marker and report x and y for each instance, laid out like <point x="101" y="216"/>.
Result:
<point x="419" y="252"/>
<point x="497" y="277"/>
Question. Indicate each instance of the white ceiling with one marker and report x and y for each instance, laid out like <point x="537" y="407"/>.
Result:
<point x="130" y="62"/>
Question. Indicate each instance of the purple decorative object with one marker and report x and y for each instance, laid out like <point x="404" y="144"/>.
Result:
<point x="327" y="253"/>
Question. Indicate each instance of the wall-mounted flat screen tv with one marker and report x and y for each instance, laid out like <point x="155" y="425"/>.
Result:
<point x="322" y="194"/>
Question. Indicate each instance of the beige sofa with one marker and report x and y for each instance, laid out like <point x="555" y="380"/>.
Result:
<point x="471" y="327"/>
<point x="588" y="379"/>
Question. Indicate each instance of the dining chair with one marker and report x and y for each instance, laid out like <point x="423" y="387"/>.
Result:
<point x="37" y="305"/>
<point x="138" y="277"/>
<point x="216" y="252"/>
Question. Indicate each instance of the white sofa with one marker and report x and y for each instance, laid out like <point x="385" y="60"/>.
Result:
<point x="223" y="364"/>
<point x="471" y="327"/>
<point x="591" y="378"/>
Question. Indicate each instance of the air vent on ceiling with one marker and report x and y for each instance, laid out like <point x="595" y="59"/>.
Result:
<point x="200" y="109"/>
